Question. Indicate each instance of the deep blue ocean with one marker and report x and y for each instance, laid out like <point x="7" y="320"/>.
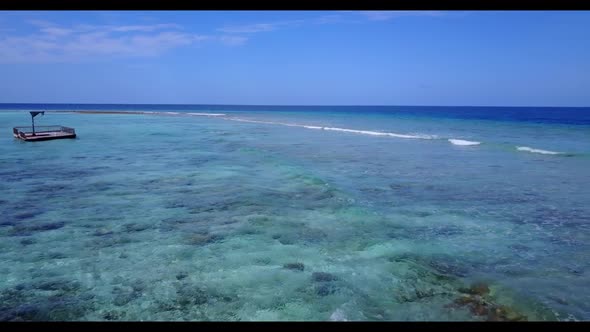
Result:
<point x="557" y="115"/>
<point x="232" y="213"/>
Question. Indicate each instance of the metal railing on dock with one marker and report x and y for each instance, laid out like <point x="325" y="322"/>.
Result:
<point x="20" y="131"/>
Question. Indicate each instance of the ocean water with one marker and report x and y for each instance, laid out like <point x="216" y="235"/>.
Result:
<point x="240" y="213"/>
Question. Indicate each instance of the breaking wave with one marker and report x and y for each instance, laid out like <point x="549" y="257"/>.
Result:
<point x="354" y="131"/>
<point x="527" y="149"/>
<point x="463" y="142"/>
<point x="223" y="116"/>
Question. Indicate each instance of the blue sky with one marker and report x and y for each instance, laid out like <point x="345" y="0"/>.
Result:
<point x="494" y="58"/>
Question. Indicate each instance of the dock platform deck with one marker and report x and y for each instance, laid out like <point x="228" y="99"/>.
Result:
<point x="43" y="133"/>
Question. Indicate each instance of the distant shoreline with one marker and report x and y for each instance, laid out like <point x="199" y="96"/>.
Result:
<point x="126" y="112"/>
<point x="104" y="112"/>
<point x="141" y="113"/>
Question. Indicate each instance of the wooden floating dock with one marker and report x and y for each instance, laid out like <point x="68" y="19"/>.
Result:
<point x="43" y="133"/>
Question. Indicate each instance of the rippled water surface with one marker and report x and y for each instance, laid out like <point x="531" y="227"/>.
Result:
<point x="294" y="216"/>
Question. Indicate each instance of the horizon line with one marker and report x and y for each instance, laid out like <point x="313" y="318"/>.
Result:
<point x="291" y="105"/>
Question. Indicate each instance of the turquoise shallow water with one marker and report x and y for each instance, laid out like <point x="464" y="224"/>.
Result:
<point x="253" y="216"/>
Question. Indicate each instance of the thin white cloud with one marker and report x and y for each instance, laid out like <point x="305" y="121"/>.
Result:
<point x="233" y="40"/>
<point x="251" y="28"/>
<point x="143" y="28"/>
<point x="57" y="43"/>
<point x="259" y="27"/>
<point x="325" y="19"/>
<point x="344" y="16"/>
<point x="384" y="15"/>
<point x="40" y="23"/>
<point x="55" y="32"/>
<point x="53" y="43"/>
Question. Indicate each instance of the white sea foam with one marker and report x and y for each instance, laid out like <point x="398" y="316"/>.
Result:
<point x="338" y="316"/>
<point x="250" y="121"/>
<point x="177" y="113"/>
<point x="354" y="131"/>
<point x="378" y="133"/>
<point x="264" y="122"/>
<point x="463" y="142"/>
<point x="207" y="114"/>
<point x="527" y="149"/>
